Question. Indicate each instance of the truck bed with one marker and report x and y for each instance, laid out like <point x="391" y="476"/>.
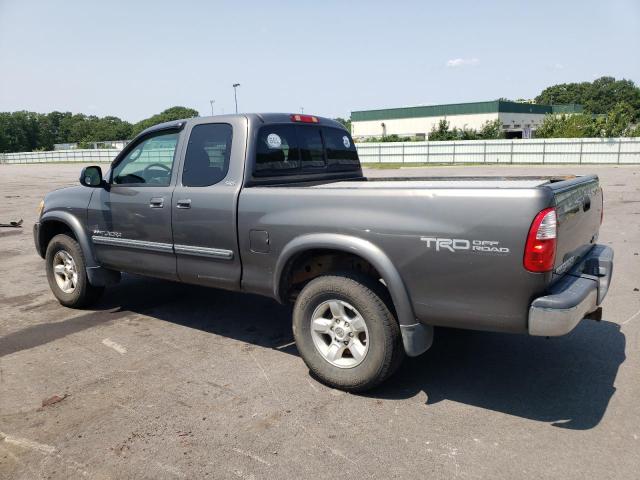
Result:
<point x="436" y="183"/>
<point x="449" y="182"/>
<point x="397" y="215"/>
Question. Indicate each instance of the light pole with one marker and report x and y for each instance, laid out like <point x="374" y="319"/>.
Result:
<point x="301" y="109"/>
<point x="235" y="94"/>
<point x="212" y="102"/>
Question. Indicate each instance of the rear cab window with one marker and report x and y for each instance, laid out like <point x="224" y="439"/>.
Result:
<point x="277" y="151"/>
<point x="341" y="151"/>
<point x="284" y="149"/>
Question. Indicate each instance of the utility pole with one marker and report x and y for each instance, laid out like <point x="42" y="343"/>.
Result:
<point x="212" y="102"/>
<point x="235" y="94"/>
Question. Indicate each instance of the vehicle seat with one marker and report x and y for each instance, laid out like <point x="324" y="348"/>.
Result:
<point x="198" y="171"/>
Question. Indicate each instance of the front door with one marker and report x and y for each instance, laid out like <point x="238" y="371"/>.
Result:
<point x="130" y="220"/>
<point x="204" y="207"/>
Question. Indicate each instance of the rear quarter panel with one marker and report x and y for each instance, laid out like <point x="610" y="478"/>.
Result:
<point x="461" y="288"/>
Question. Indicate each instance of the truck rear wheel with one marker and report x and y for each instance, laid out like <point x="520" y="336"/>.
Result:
<point x="67" y="274"/>
<point x="346" y="332"/>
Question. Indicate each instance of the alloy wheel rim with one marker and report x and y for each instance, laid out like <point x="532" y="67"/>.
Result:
<point x="65" y="271"/>
<point x="340" y="333"/>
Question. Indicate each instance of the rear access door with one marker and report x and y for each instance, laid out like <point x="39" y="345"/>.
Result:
<point x="204" y="207"/>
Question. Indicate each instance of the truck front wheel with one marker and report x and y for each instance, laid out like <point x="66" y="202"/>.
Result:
<point x="346" y="332"/>
<point x="67" y="274"/>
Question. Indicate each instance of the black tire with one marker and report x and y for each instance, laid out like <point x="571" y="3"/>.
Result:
<point x="84" y="294"/>
<point x="385" y="351"/>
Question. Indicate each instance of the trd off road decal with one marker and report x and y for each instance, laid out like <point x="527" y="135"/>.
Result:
<point x="105" y="233"/>
<point x="460" y="244"/>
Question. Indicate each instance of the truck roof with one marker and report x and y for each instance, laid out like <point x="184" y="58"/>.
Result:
<point x="253" y="117"/>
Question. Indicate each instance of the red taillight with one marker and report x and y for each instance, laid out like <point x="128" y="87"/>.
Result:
<point x="540" y="249"/>
<point x="303" y="118"/>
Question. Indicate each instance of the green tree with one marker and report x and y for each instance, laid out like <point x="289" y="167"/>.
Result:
<point x="634" y="131"/>
<point x="393" y="138"/>
<point x="618" y="121"/>
<point x="491" y="130"/>
<point x="568" y="126"/>
<point x="110" y="128"/>
<point x="19" y="131"/>
<point x="168" y="115"/>
<point x="25" y="131"/>
<point x="598" y="97"/>
<point x="466" y="134"/>
<point x="442" y="132"/>
<point x="345" y="122"/>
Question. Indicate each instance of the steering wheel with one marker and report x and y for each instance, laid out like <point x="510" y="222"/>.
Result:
<point x="161" y="165"/>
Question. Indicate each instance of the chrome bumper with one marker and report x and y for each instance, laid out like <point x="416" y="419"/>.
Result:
<point x="577" y="294"/>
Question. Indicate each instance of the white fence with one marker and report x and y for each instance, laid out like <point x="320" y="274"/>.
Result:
<point x="58" y="156"/>
<point x="82" y="156"/>
<point x="554" y="150"/>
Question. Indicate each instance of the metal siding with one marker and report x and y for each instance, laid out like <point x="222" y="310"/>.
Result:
<point x="494" y="106"/>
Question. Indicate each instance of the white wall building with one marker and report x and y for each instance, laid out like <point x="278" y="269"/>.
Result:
<point x="518" y="120"/>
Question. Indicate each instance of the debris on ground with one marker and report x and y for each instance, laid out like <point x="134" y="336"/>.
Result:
<point x="52" y="400"/>
<point x="17" y="224"/>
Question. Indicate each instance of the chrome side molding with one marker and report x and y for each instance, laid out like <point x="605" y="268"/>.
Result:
<point x="139" y="244"/>
<point x="218" y="253"/>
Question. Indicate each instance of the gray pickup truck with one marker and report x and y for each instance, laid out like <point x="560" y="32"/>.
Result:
<point x="277" y="205"/>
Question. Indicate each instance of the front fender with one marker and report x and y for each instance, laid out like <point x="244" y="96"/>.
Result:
<point x="76" y="227"/>
<point x="98" y="276"/>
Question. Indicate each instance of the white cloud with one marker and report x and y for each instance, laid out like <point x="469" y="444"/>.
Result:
<point x="462" y="62"/>
<point x="558" y="66"/>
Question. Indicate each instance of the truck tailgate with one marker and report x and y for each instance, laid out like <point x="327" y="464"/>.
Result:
<point x="578" y="205"/>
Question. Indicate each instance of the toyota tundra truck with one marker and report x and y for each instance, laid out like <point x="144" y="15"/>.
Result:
<point x="277" y="205"/>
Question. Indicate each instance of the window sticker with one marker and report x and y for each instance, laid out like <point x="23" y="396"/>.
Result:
<point x="274" y="140"/>
<point x="346" y="142"/>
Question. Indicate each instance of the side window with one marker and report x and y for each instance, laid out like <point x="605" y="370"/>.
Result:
<point x="150" y="162"/>
<point x="311" y="151"/>
<point x="341" y="152"/>
<point x="207" y="158"/>
<point x="277" y="150"/>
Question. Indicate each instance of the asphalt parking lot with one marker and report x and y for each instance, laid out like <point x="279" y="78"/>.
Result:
<point x="169" y="381"/>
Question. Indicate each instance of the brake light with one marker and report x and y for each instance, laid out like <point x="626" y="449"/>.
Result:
<point x="303" y="118"/>
<point x="540" y="249"/>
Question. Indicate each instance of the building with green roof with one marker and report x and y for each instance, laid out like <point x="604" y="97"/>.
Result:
<point x="518" y="119"/>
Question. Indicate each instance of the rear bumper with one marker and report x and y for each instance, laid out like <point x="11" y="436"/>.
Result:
<point x="577" y="294"/>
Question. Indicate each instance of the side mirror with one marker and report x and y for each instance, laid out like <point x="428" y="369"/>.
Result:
<point x="91" y="176"/>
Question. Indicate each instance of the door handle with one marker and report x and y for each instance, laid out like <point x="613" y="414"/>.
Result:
<point x="184" y="203"/>
<point x="156" y="202"/>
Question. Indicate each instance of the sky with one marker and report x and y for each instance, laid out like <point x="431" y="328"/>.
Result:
<point x="133" y="59"/>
